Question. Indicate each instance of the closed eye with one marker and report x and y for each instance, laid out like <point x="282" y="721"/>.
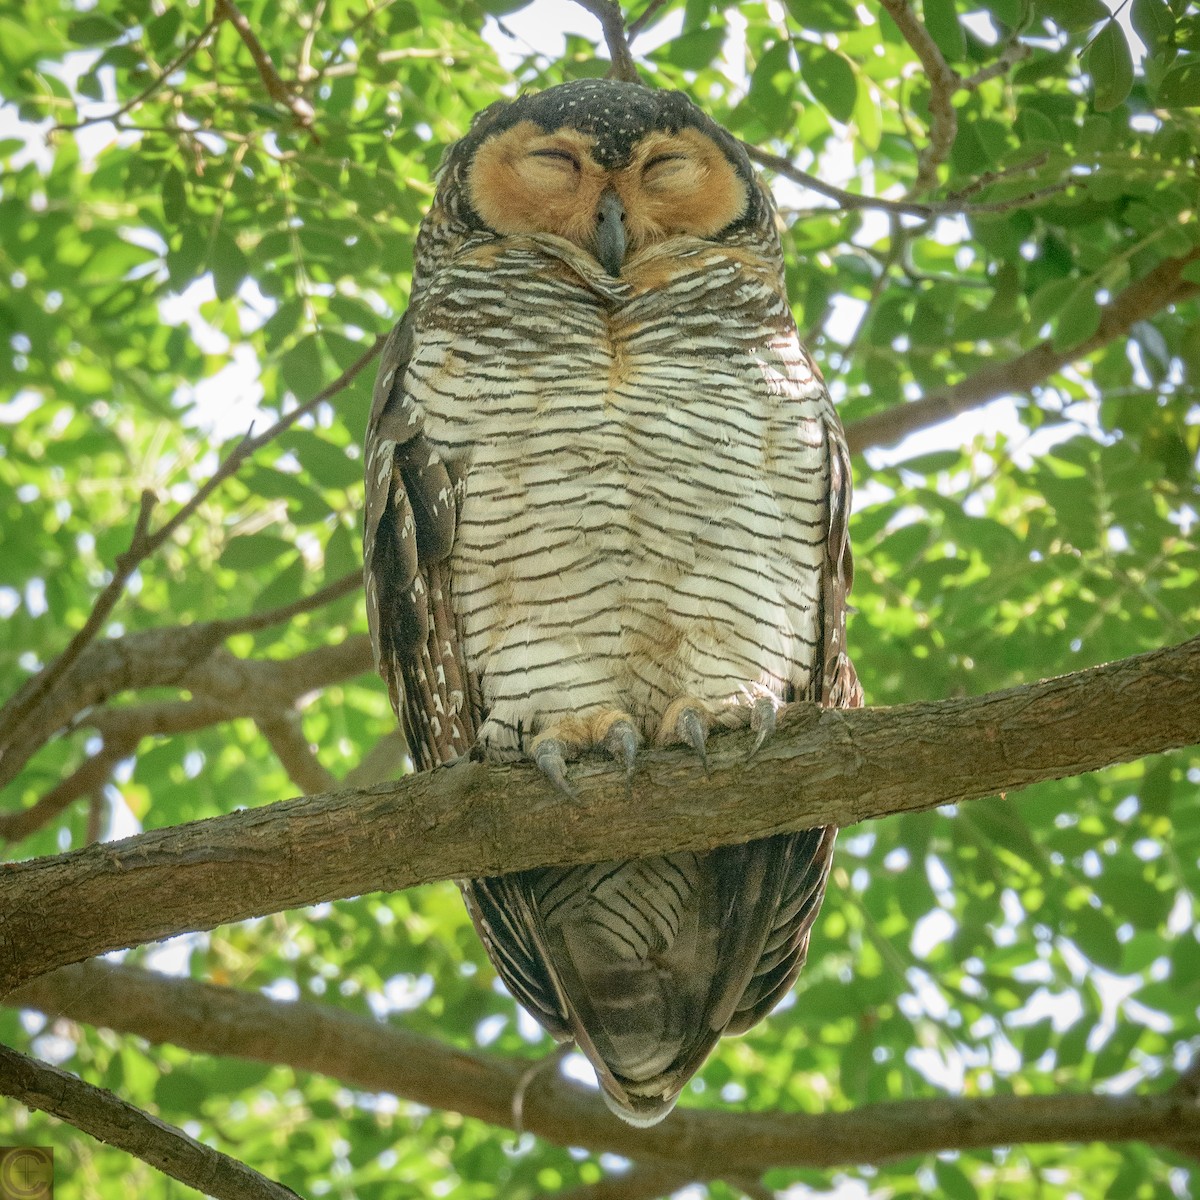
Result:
<point x="561" y="155"/>
<point x="659" y="159"/>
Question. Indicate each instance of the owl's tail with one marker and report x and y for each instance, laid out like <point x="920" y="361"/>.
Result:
<point x="645" y="964"/>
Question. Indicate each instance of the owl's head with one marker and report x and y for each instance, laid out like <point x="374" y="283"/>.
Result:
<point x="612" y="167"/>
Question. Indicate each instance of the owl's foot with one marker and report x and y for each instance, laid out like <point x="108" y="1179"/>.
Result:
<point x="622" y="742"/>
<point x="550" y="755"/>
<point x="686" y="720"/>
<point x="610" y="730"/>
<point x="763" y="721"/>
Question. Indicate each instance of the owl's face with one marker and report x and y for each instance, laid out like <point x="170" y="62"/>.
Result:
<point x="612" y="167"/>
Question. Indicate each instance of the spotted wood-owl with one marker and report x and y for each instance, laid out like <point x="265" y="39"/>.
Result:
<point x="606" y="502"/>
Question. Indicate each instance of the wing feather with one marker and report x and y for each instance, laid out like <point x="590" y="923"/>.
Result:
<point x="807" y="857"/>
<point x="411" y="515"/>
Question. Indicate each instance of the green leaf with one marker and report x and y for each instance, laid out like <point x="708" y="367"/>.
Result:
<point x="1153" y="22"/>
<point x="328" y="464"/>
<point x="1072" y="15"/>
<point x="831" y="80"/>
<point x="941" y="19"/>
<point x="772" y="88"/>
<point x="693" y="51"/>
<point x="93" y="29"/>
<point x="228" y="264"/>
<point x="174" y="197"/>
<point x="252" y="550"/>
<point x="301" y="368"/>
<point x="284" y="588"/>
<point x="1180" y="87"/>
<point x="1078" y="319"/>
<point x="1110" y="65"/>
<point x="952" y="1180"/>
<point x="162" y="30"/>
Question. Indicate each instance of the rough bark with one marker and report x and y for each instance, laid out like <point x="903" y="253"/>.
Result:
<point x="823" y="767"/>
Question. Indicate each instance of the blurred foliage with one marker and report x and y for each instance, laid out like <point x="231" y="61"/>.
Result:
<point x="163" y="271"/>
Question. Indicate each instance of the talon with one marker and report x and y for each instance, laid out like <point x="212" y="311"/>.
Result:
<point x="549" y="756"/>
<point x="764" y="720"/>
<point x="622" y="743"/>
<point x="690" y="727"/>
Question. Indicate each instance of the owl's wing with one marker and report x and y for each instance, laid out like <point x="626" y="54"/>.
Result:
<point x="410" y="520"/>
<point x="802" y="860"/>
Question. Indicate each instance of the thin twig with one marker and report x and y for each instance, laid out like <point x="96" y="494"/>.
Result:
<point x="304" y="67"/>
<point x="1027" y="198"/>
<point x="943" y="83"/>
<point x="140" y="545"/>
<point x="647" y="15"/>
<point x="253" y="622"/>
<point x="1012" y="54"/>
<point x="1151" y="293"/>
<point x="989" y="177"/>
<point x="37" y="1085"/>
<point x="87" y="780"/>
<point x="521" y="1090"/>
<point x="250" y="444"/>
<point x="144" y="544"/>
<point x="951" y="206"/>
<point x="844" y="199"/>
<point x="279" y="91"/>
<point x="612" y="22"/>
<point x="144" y="95"/>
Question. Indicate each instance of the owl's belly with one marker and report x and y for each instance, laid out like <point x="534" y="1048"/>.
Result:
<point x="628" y="533"/>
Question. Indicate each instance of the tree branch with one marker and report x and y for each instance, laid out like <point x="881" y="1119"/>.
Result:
<point x="612" y="22"/>
<point x="101" y="1114"/>
<point x="943" y="83"/>
<point x="1155" y="290"/>
<point x="698" y="1143"/>
<point x="952" y="205"/>
<point x="828" y="766"/>
<point x="181" y="656"/>
<point x="146" y="93"/>
<point x="284" y="731"/>
<point x="86" y="780"/>
<point x="301" y="110"/>
<point x="23" y="703"/>
<point x="16" y="744"/>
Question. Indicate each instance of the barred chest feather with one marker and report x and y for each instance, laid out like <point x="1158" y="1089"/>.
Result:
<point x="644" y="478"/>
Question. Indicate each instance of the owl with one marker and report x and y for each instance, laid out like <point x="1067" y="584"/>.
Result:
<point x="606" y="506"/>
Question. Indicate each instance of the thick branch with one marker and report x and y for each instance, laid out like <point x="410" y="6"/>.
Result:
<point x="702" y="1144"/>
<point x="1155" y="290"/>
<point x="823" y="767"/>
<point x="100" y="1113"/>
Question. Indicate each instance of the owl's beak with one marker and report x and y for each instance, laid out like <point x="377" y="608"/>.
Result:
<point x="610" y="232"/>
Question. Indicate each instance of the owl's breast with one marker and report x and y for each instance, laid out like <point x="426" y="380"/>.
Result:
<point x="625" y="446"/>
